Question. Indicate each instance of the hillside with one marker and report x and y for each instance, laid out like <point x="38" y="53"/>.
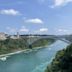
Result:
<point x="62" y="61"/>
<point x="11" y="45"/>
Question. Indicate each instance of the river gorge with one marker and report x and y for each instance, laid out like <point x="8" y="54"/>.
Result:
<point x="32" y="61"/>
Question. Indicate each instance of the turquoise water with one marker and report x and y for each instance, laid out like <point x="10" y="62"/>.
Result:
<point x="35" y="61"/>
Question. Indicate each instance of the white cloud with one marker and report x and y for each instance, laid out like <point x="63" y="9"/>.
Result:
<point x="8" y="28"/>
<point x="11" y="30"/>
<point x="62" y="30"/>
<point x="10" y="12"/>
<point x="15" y="30"/>
<point x="43" y="29"/>
<point x="35" y="21"/>
<point x="23" y="29"/>
<point x="58" y="3"/>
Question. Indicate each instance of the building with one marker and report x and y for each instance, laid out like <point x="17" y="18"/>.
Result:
<point x="3" y="36"/>
<point x="15" y="36"/>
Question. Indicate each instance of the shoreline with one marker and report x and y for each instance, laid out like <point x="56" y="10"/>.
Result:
<point x="3" y="57"/>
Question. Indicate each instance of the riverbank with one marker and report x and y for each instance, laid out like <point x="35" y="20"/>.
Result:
<point x="12" y="45"/>
<point x="3" y="57"/>
<point x="35" y="61"/>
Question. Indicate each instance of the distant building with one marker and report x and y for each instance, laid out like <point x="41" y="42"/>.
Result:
<point x="3" y="36"/>
<point x="15" y="36"/>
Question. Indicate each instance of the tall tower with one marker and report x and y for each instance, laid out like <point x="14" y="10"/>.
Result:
<point x="18" y="35"/>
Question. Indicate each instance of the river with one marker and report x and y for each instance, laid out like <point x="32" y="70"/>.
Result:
<point x="34" y="61"/>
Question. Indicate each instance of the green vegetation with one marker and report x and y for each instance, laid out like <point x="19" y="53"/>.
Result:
<point x="62" y="61"/>
<point x="12" y="45"/>
<point x="68" y="37"/>
<point x="43" y="42"/>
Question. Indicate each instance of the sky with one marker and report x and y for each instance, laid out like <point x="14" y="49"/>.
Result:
<point x="52" y="17"/>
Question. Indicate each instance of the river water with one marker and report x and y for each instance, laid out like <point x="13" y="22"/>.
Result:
<point x="34" y="61"/>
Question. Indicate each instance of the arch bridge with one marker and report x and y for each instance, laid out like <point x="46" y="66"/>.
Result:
<point x="32" y="39"/>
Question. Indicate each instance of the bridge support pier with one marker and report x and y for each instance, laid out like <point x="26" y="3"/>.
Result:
<point x="30" y="46"/>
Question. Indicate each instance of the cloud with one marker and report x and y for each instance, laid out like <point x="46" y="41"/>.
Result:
<point x="58" y="3"/>
<point x="23" y="29"/>
<point x="62" y="30"/>
<point x="10" y="12"/>
<point x="35" y="21"/>
<point x="42" y="30"/>
<point x="11" y="30"/>
<point x="15" y="30"/>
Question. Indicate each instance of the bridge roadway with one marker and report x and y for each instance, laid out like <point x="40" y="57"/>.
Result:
<point x="33" y="39"/>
